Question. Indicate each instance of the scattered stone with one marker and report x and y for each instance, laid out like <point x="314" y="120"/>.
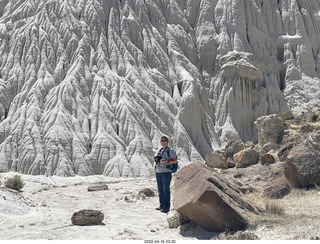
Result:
<point x="98" y="187"/>
<point x="147" y="192"/>
<point x="283" y="153"/>
<point x="87" y="217"/>
<point x="153" y="230"/>
<point x="302" y="167"/>
<point x="175" y="219"/>
<point x="307" y="128"/>
<point x="277" y="191"/>
<point x="243" y="235"/>
<point x="216" y="160"/>
<point x="246" y="158"/>
<point x="267" y="159"/>
<point x="230" y="163"/>
<point x="233" y="147"/>
<point x="286" y="115"/>
<point x="207" y="198"/>
<point x="269" y="146"/>
<point x="315" y="116"/>
<point x="249" y="145"/>
<point x="270" y="129"/>
<point x="238" y="175"/>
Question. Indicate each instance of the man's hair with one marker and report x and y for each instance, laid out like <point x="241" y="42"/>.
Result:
<point x="164" y="137"/>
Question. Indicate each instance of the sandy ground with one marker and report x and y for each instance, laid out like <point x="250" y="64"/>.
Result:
<point x="44" y="208"/>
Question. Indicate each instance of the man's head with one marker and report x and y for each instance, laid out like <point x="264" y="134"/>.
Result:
<point x="164" y="141"/>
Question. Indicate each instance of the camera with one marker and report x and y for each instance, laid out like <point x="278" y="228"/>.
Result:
<point x="157" y="159"/>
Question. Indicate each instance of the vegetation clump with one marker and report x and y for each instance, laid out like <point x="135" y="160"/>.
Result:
<point x="14" y="183"/>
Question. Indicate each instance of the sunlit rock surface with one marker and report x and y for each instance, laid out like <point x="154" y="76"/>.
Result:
<point x="88" y="87"/>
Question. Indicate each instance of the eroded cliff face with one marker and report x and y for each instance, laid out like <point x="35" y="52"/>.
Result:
<point x="88" y="87"/>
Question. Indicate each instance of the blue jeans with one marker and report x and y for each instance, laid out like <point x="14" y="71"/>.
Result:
<point x="163" y="182"/>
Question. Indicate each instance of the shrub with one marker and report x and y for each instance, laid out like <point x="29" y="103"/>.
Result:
<point x="274" y="208"/>
<point x="14" y="183"/>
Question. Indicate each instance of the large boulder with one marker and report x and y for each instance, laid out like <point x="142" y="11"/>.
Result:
<point x="270" y="129"/>
<point x="207" y="198"/>
<point x="87" y="217"/>
<point x="246" y="158"/>
<point x="216" y="160"/>
<point x="302" y="168"/>
<point x="233" y="147"/>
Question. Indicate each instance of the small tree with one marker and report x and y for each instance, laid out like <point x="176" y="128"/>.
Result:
<point x="14" y="183"/>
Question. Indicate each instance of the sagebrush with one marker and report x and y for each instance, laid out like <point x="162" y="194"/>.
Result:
<point x="14" y="183"/>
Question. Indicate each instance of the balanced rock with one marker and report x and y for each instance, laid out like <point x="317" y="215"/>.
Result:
<point x="302" y="167"/>
<point x="277" y="191"/>
<point x="270" y="129"/>
<point x="207" y="198"/>
<point x="216" y="160"/>
<point x="233" y="147"/>
<point x="98" y="187"/>
<point x="246" y="158"/>
<point x="87" y="217"/>
<point x="267" y="159"/>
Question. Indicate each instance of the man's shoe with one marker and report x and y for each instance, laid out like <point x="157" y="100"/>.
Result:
<point x="159" y="208"/>
<point x="165" y="210"/>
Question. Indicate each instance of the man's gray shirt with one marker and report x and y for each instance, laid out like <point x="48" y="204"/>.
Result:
<point x="166" y="154"/>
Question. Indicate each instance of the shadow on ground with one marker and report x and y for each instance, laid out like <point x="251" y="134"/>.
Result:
<point x="191" y="229"/>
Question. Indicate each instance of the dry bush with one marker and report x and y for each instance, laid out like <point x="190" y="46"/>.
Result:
<point x="14" y="183"/>
<point x="274" y="208"/>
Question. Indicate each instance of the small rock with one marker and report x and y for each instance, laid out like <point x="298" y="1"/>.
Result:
<point x="216" y="160"/>
<point x="269" y="146"/>
<point x="284" y="151"/>
<point x="98" y="187"/>
<point x="249" y="145"/>
<point x="87" y="217"/>
<point x="286" y="115"/>
<point x="147" y="192"/>
<point x="277" y="191"/>
<point x="246" y="158"/>
<point x="153" y="230"/>
<point x="243" y="235"/>
<point x="175" y="219"/>
<point x="267" y="159"/>
<point x="230" y="162"/>
<point x="307" y="128"/>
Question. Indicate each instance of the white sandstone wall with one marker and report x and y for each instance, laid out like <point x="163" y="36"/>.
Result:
<point x="89" y="86"/>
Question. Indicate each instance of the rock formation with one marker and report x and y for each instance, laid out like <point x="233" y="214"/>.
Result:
<point x="88" y="87"/>
<point x="302" y="168"/>
<point x="210" y="200"/>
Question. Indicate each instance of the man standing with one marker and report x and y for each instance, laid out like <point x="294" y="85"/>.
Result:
<point x="164" y="159"/>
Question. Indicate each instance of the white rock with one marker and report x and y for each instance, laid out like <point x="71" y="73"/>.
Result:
<point x="89" y="87"/>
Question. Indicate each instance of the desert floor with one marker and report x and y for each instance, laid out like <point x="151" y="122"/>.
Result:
<point x="44" y="208"/>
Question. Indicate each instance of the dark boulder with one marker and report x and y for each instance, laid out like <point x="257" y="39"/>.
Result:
<point x="87" y="217"/>
<point x="302" y="168"/>
<point x="267" y="159"/>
